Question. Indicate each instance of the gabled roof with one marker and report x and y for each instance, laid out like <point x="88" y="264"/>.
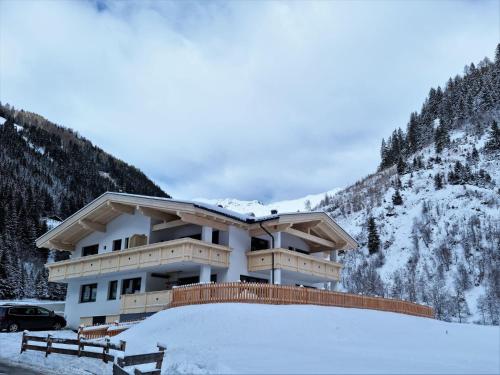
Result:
<point x="98" y="213"/>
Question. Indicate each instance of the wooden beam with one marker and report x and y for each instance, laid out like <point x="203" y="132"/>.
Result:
<point x="92" y="225"/>
<point x="193" y="219"/>
<point x="310" y="237"/>
<point x="53" y="244"/>
<point x="168" y="224"/>
<point x="121" y="208"/>
<point x="305" y="226"/>
<point x="258" y="231"/>
<point x="157" y="214"/>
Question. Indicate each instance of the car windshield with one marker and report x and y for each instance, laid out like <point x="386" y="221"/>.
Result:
<point x="2" y="311"/>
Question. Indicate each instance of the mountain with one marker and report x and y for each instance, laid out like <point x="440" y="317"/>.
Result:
<point x="262" y="209"/>
<point x="428" y="221"/>
<point x="47" y="172"/>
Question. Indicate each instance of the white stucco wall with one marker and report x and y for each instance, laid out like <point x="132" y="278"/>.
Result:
<point x="102" y="306"/>
<point x="289" y="240"/>
<point x="174" y="233"/>
<point x="239" y="242"/>
<point x="123" y="226"/>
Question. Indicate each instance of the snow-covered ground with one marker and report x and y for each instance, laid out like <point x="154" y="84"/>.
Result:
<point x="262" y="209"/>
<point x="10" y="345"/>
<point x="248" y="338"/>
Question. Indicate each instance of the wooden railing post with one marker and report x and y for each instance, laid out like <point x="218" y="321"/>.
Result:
<point x="49" y="344"/>
<point x="23" y="341"/>
<point x="159" y="362"/>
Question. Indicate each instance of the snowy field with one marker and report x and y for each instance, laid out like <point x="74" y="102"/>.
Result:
<point x="246" y="338"/>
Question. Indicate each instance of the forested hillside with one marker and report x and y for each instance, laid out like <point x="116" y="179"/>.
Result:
<point x="428" y="221"/>
<point x="48" y="171"/>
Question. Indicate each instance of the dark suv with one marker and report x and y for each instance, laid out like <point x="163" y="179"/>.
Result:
<point x="16" y="317"/>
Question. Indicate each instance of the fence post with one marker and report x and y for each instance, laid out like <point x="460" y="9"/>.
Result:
<point x="159" y="362"/>
<point x="23" y="341"/>
<point x="49" y="345"/>
<point x="122" y="345"/>
<point x="105" y="350"/>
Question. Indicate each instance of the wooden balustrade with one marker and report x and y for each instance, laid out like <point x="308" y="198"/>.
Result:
<point x="288" y="260"/>
<point x="286" y="295"/>
<point x="168" y="252"/>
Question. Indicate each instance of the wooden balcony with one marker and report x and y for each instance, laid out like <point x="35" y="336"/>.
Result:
<point x="288" y="260"/>
<point x="185" y="250"/>
<point x="145" y="302"/>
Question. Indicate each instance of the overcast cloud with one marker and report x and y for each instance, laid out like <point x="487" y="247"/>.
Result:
<point x="253" y="100"/>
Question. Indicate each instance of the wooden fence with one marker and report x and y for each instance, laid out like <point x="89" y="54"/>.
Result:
<point x="80" y="343"/>
<point x="103" y="330"/>
<point x="286" y="295"/>
<point x="140" y="359"/>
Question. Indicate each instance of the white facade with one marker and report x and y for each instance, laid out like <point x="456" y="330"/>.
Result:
<point x="237" y="239"/>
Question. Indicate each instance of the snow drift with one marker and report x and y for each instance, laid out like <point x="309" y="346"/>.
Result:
<point x="248" y="338"/>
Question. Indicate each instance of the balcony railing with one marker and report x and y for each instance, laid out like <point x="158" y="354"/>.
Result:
<point x="176" y="251"/>
<point x="262" y="260"/>
<point x="145" y="302"/>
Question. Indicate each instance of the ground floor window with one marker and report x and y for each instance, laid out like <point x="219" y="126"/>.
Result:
<point x="112" y="289"/>
<point x="88" y="293"/>
<point x="100" y="319"/>
<point x="251" y="279"/>
<point x="131" y="286"/>
<point x="194" y="279"/>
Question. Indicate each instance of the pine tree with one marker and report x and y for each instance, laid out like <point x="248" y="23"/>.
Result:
<point x="441" y="138"/>
<point x="7" y="289"/>
<point x="438" y="181"/>
<point x="397" y="199"/>
<point x="493" y="142"/>
<point x="401" y="166"/>
<point x="373" y="237"/>
<point x="41" y="284"/>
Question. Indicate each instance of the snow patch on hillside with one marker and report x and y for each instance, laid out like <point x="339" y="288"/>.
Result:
<point x="456" y="218"/>
<point x="263" y="209"/>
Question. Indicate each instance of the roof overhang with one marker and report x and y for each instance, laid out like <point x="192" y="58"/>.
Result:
<point x="316" y="228"/>
<point x="97" y="214"/>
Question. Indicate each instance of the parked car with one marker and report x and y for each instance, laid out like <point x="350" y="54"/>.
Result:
<point x="14" y="318"/>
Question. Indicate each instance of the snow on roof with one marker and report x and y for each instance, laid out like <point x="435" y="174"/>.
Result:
<point x="213" y="208"/>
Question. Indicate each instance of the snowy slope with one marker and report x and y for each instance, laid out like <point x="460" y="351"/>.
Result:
<point x="262" y="209"/>
<point x="249" y="338"/>
<point x="432" y="236"/>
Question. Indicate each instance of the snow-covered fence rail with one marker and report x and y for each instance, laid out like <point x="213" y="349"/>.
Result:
<point x="80" y="343"/>
<point x="287" y="295"/>
<point x="140" y="359"/>
<point x="103" y="330"/>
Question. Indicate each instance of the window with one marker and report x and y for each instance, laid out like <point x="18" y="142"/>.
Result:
<point x="88" y="293"/>
<point x="99" y="319"/>
<point x="251" y="279"/>
<point x="90" y="250"/>
<point x="215" y="236"/>
<point x="259" y="244"/>
<point x="131" y="286"/>
<point x="194" y="280"/>
<point x="126" y="243"/>
<point x="19" y="311"/>
<point x="112" y="289"/>
<point x="42" y="311"/>
<point x="117" y="244"/>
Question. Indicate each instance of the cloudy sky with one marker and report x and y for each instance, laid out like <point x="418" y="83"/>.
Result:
<point x="246" y="99"/>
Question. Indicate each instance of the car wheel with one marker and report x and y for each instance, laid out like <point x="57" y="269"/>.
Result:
<point x="13" y="327"/>
<point x="57" y="326"/>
